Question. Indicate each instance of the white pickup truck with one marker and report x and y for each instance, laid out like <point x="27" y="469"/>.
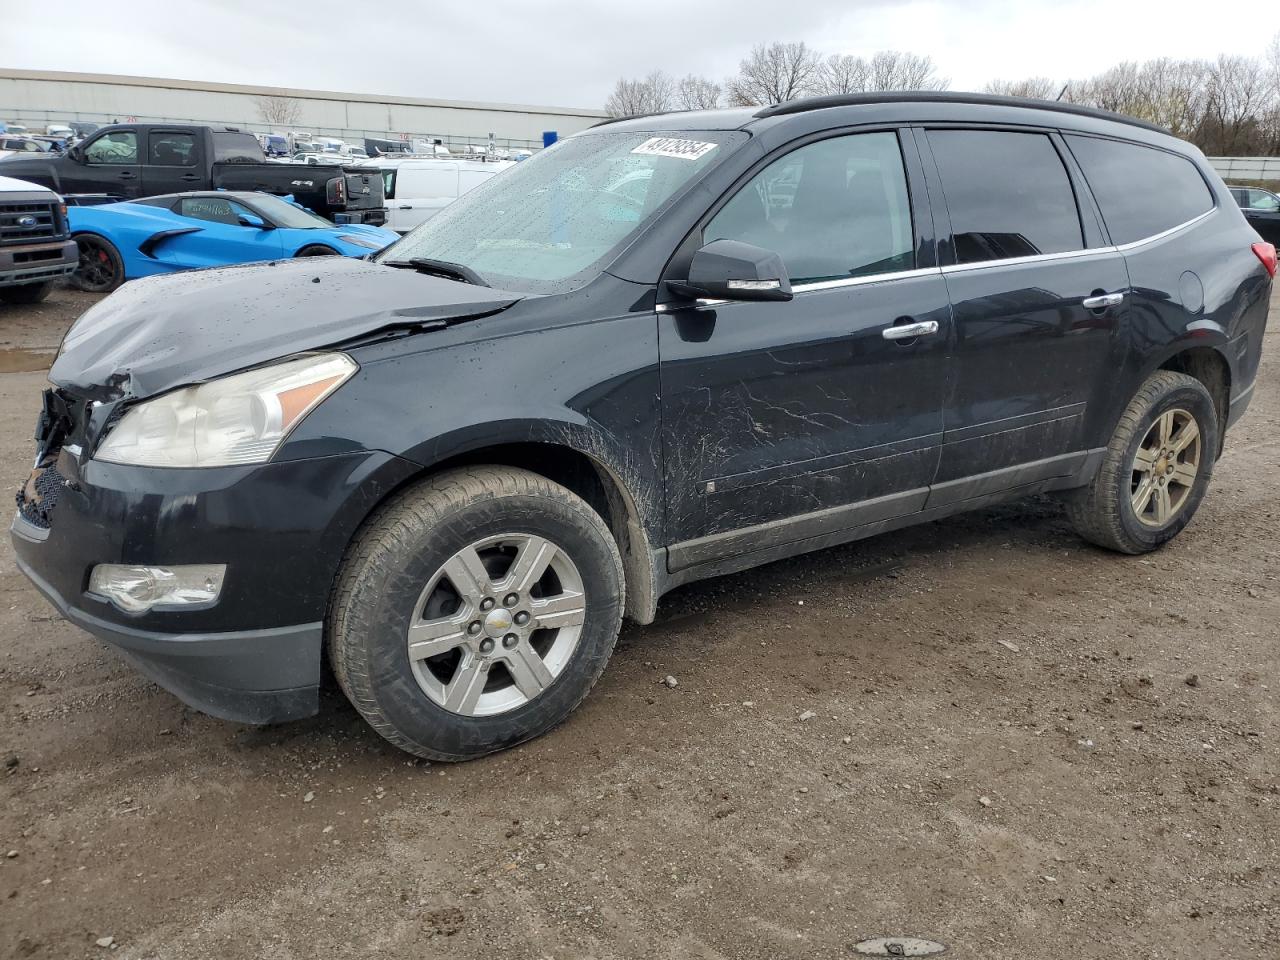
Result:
<point x="35" y="247"/>
<point x="417" y="188"/>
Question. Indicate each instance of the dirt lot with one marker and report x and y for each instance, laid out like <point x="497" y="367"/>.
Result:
<point x="1022" y="747"/>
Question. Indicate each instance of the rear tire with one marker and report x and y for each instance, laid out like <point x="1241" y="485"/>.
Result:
<point x="316" y="250"/>
<point x="101" y="268"/>
<point x="475" y="611"/>
<point x="1155" y="470"/>
<point x="27" y="293"/>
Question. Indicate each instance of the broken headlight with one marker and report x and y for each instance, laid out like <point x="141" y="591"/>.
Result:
<point x="233" y="420"/>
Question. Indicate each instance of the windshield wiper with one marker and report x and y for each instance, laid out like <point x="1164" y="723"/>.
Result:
<point x="441" y="268"/>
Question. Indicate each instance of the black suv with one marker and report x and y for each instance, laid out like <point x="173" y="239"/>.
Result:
<point x="664" y="349"/>
<point x="1262" y="210"/>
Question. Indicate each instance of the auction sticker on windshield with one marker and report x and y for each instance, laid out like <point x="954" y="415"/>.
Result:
<point x="675" y="147"/>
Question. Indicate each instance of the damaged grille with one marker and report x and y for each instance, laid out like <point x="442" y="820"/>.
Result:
<point x="39" y="495"/>
<point x="28" y="222"/>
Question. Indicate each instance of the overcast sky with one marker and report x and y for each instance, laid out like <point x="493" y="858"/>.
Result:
<point x="570" y="52"/>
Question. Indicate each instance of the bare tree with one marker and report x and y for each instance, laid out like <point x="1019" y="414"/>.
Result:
<point x="1236" y="97"/>
<point x="1037" y="88"/>
<point x="652" y="94"/>
<point x="1117" y="89"/>
<point x="1230" y="105"/>
<point x="280" y="111"/>
<point x="1176" y="93"/>
<point x="1227" y="106"/>
<point x="842" y="73"/>
<point x="697" y="93"/>
<point x="896" y="70"/>
<point x="774" y="74"/>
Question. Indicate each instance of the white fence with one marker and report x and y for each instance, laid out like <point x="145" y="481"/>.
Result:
<point x="1247" y="168"/>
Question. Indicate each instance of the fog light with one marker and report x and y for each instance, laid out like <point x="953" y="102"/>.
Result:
<point x="138" y="589"/>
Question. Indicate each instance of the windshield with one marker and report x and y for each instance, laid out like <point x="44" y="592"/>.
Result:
<point x="284" y="214"/>
<point x="548" y="224"/>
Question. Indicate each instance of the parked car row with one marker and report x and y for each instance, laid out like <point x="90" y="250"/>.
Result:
<point x="130" y="161"/>
<point x="123" y="162"/>
<point x="101" y="246"/>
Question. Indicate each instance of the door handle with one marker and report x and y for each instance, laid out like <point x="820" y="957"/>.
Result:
<point x="909" y="331"/>
<point x="1102" y="301"/>
<point x="190" y="176"/>
<point x="127" y="175"/>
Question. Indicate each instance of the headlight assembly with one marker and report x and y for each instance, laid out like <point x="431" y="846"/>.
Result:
<point x="239" y="419"/>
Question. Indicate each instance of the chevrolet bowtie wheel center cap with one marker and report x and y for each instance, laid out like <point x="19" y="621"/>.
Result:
<point x="497" y="622"/>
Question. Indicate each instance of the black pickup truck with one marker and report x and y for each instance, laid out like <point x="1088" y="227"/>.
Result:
<point x="128" y="161"/>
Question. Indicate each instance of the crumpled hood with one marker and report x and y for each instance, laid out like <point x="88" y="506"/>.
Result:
<point x="162" y="332"/>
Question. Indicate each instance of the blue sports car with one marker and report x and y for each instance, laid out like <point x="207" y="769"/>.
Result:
<point x="184" y="231"/>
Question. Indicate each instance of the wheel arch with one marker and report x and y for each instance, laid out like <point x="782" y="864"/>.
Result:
<point x="314" y="245"/>
<point x="1209" y="364"/>
<point x="625" y="506"/>
<point x="601" y="486"/>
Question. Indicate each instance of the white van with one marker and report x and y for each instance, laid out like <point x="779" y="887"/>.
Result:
<point x="418" y="188"/>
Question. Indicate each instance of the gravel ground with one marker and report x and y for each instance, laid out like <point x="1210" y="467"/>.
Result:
<point x="980" y="731"/>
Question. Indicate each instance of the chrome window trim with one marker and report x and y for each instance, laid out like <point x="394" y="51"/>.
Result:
<point x="1033" y="258"/>
<point x="979" y="265"/>
<point x="869" y="278"/>
<point x="1156" y="237"/>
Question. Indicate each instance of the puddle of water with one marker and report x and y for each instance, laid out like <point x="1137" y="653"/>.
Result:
<point x="17" y="360"/>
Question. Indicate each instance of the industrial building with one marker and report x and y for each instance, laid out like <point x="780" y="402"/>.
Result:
<point x="38" y="97"/>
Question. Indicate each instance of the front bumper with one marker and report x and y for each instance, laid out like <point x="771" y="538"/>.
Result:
<point x="249" y="676"/>
<point x="37" y="262"/>
<point x="281" y="528"/>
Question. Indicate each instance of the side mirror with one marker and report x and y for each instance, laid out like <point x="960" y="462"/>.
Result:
<point x="249" y="220"/>
<point x="76" y="153"/>
<point x="733" y="270"/>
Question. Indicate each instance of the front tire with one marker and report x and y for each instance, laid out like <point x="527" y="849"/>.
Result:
<point x="475" y="611"/>
<point x="1156" y="468"/>
<point x="27" y="293"/>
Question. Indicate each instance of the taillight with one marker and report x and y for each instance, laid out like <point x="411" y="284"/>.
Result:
<point x="336" y="191"/>
<point x="1267" y="254"/>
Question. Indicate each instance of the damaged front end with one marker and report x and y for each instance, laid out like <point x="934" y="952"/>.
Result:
<point x="62" y="423"/>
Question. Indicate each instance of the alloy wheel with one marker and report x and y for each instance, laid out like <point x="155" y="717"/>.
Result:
<point x="96" y="268"/>
<point x="1165" y="467"/>
<point x="496" y="625"/>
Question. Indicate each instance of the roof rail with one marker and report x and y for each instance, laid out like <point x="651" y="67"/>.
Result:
<point x="805" y="104"/>
<point x="631" y="116"/>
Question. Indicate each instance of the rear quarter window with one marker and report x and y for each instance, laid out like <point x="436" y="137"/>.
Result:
<point x="236" y="146"/>
<point x="1142" y="190"/>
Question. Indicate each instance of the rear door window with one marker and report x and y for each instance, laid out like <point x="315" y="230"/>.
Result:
<point x="1008" y="194"/>
<point x="171" y="149"/>
<point x="1142" y="190"/>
